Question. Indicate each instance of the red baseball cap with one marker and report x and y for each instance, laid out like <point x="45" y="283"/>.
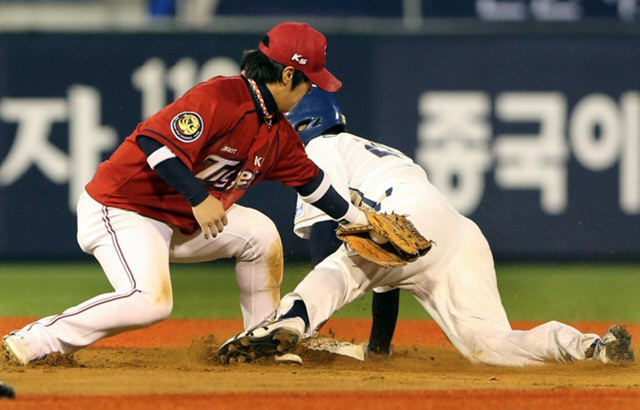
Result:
<point x="303" y="48"/>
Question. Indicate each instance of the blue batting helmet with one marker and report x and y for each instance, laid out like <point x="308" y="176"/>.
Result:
<point x="319" y="111"/>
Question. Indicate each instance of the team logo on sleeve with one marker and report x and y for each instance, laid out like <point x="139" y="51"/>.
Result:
<point x="187" y="126"/>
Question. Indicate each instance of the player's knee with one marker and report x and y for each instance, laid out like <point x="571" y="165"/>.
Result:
<point x="485" y="348"/>
<point x="163" y="306"/>
<point x="83" y="241"/>
<point x="257" y="226"/>
<point x="157" y="312"/>
<point x="263" y="241"/>
<point x="162" y="311"/>
<point x="155" y="307"/>
<point x="262" y="248"/>
<point x="263" y="235"/>
<point x="468" y="343"/>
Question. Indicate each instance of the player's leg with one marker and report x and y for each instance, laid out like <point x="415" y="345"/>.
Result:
<point x="385" y="306"/>
<point x="343" y="276"/>
<point x="465" y="301"/>
<point x="133" y="252"/>
<point x="253" y="240"/>
<point x="333" y="283"/>
<point x="456" y="282"/>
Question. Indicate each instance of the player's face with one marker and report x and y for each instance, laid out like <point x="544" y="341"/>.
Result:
<point x="295" y="95"/>
<point x="286" y="95"/>
<point x="298" y="93"/>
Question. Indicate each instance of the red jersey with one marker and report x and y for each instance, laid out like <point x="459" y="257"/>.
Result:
<point x="219" y="131"/>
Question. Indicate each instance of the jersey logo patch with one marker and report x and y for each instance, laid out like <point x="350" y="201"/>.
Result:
<point x="187" y="126"/>
<point x="299" y="210"/>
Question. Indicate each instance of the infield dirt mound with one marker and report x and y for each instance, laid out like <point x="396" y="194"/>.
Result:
<point x="181" y="332"/>
<point x="173" y="365"/>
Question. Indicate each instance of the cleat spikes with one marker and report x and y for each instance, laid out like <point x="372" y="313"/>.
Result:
<point x="276" y="338"/>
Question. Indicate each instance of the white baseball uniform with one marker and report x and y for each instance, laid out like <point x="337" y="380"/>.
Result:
<point x="455" y="282"/>
<point x="134" y="252"/>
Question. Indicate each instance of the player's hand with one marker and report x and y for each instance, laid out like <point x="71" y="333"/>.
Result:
<point x="211" y="216"/>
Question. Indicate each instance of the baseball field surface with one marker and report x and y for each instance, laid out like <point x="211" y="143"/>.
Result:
<point x="174" y="364"/>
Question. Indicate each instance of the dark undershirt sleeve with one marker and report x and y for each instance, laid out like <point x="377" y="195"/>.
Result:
<point x="175" y="173"/>
<point x="331" y="203"/>
<point x="308" y="189"/>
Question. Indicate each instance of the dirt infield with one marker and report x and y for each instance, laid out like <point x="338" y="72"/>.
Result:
<point x="171" y="365"/>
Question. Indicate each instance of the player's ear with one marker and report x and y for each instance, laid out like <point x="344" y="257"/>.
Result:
<point x="287" y="75"/>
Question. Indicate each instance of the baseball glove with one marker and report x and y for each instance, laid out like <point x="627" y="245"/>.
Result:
<point x="401" y="242"/>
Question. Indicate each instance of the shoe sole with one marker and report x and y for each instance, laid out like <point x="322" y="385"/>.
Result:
<point x="248" y="348"/>
<point x="620" y="350"/>
<point x="10" y="354"/>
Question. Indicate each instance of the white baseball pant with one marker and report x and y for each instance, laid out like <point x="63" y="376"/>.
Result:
<point x="135" y="251"/>
<point x="455" y="283"/>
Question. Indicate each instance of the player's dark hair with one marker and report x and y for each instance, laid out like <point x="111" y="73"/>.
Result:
<point x="258" y="66"/>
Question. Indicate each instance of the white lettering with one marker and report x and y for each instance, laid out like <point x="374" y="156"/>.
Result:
<point x="87" y="138"/>
<point x="35" y="117"/>
<point x="244" y="179"/>
<point x="149" y="79"/>
<point x="630" y="154"/>
<point x="229" y="149"/>
<point x="153" y="79"/>
<point x="518" y="10"/>
<point x="182" y="76"/>
<point x="215" y="165"/>
<point x="556" y="10"/>
<point x="453" y="135"/>
<point x="455" y="132"/>
<point x="501" y="10"/>
<point x="595" y="132"/>
<point x="534" y="161"/>
<point x="299" y="58"/>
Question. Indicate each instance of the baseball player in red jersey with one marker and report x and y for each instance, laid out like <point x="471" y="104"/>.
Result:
<point x="168" y="194"/>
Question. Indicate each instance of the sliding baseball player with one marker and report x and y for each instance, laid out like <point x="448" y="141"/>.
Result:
<point x="455" y="281"/>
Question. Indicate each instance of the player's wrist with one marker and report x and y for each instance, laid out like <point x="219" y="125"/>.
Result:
<point x="355" y="215"/>
<point x="198" y="197"/>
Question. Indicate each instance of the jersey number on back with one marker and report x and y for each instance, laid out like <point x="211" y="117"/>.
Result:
<point x="382" y="150"/>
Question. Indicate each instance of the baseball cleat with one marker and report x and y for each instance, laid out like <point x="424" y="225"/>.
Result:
<point x="272" y="339"/>
<point x="614" y="346"/>
<point x="7" y="391"/>
<point x="16" y="349"/>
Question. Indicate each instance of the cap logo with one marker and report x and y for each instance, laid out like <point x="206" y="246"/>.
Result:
<point x="299" y="58"/>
